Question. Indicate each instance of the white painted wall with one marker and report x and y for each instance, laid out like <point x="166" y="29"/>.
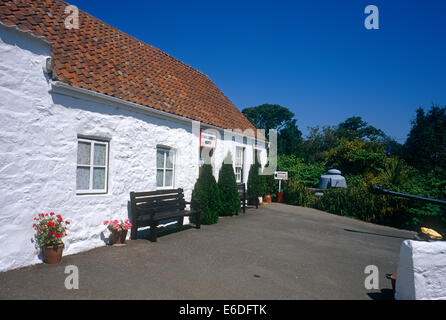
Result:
<point x="38" y="153"/>
<point x="226" y="144"/>
<point x="421" y="273"/>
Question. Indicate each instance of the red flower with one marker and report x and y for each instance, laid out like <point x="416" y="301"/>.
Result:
<point x="57" y="236"/>
<point x="67" y="222"/>
<point x="52" y="213"/>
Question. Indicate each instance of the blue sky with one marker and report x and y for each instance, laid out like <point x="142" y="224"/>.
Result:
<point x="314" y="57"/>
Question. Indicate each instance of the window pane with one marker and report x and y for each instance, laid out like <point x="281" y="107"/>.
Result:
<point x="99" y="154"/>
<point x="238" y="174"/>
<point x="160" y="159"/>
<point x="159" y="178"/>
<point x="99" y="178"/>
<point x="83" y="153"/>
<point x="169" y="160"/>
<point x="169" y="178"/>
<point x="83" y="178"/>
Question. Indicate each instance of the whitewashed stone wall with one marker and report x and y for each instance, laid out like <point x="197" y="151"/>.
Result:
<point x="421" y="273"/>
<point x="227" y="144"/>
<point x="38" y="154"/>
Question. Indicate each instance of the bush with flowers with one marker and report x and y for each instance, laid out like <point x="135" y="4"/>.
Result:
<point x="118" y="225"/>
<point x="50" y="229"/>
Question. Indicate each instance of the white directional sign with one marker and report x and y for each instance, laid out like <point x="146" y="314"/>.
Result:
<point x="281" y="175"/>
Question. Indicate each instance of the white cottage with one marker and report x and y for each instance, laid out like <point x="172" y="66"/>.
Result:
<point x="106" y="115"/>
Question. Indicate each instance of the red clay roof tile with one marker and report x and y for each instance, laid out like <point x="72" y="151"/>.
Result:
<point x="101" y="58"/>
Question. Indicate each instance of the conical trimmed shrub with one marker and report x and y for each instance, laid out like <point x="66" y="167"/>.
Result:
<point x="207" y="193"/>
<point x="256" y="183"/>
<point x="227" y="185"/>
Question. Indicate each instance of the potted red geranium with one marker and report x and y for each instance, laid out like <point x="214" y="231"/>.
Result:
<point x="118" y="229"/>
<point x="50" y="229"/>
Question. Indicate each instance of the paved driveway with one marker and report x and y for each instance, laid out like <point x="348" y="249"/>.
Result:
<point x="275" y="252"/>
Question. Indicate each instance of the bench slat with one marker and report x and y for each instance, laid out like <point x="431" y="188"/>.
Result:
<point x="167" y="216"/>
<point x="156" y="204"/>
<point x="148" y="208"/>
<point x="159" y="210"/>
<point x="157" y="198"/>
<point x="154" y="193"/>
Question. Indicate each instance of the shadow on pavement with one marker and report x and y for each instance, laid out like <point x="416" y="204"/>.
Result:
<point x="375" y="234"/>
<point x="385" y="294"/>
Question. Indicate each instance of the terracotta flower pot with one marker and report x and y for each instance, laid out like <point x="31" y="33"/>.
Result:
<point x="53" y="254"/>
<point x="118" y="237"/>
<point x="268" y="198"/>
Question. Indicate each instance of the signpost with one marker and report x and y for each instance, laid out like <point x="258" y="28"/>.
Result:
<point x="280" y="175"/>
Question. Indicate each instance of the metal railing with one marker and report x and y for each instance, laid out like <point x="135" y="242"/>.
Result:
<point x="379" y="190"/>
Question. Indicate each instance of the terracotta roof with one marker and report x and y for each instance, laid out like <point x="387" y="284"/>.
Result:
<point x="101" y="58"/>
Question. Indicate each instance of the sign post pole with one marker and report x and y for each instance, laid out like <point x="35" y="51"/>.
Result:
<point x="280" y="175"/>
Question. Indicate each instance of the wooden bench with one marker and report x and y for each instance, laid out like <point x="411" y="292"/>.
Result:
<point x="149" y="208"/>
<point x="244" y="197"/>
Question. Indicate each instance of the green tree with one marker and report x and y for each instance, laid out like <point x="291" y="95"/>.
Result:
<point x="354" y="127"/>
<point x="290" y="139"/>
<point x="227" y="186"/>
<point x="268" y="116"/>
<point x="425" y="147"/>
<point x="307" y="173"/>
<point x="356" y="156"/>
<point x="274" y="116"/>
<point x="318" y="142"/>
<point x="206" y="192"/>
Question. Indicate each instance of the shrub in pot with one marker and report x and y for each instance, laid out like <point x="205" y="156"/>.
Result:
<point x="50" y="229"/>
<point x="118" y="229"/>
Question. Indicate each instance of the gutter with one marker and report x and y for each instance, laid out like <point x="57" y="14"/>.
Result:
<point x="66" y="89"/>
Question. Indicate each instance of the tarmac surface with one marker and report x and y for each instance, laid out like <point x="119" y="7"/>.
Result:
<point x="275" y="252"/>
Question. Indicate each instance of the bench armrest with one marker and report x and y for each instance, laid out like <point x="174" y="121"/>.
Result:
<point x="194" y="202"/>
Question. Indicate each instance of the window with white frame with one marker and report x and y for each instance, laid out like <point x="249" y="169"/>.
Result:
<point x="92" y="166"/>
<point x="165" y="167"/>
<point x="238" y="166"/>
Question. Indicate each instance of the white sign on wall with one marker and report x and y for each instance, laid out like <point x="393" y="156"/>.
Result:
<point x="208" y="139"/>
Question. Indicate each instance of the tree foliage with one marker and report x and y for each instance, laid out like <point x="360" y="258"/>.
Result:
<point x="425" y="147"/>
<point x="274" y="116"/>
<point x="206" y="192"/>
<point x="268" y="116"/>
<point x="227" y="185"/>
<point x="307" y="173"/>
<point x="356" y="156"/>
<point x="257" y="183"/>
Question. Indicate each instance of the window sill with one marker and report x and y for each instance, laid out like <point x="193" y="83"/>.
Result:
<point x="165" y="188"/>
<point x="92" y="194"/>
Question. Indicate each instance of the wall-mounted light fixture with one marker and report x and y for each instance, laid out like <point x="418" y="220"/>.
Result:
<point x="48" y="65"/>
